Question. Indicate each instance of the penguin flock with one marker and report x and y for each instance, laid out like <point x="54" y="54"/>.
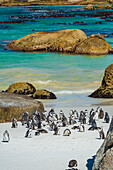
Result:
<point x="55" y="122"/>
<point x="40" y="120"/>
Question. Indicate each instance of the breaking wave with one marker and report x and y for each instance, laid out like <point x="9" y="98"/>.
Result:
<point x="74" y="92"/>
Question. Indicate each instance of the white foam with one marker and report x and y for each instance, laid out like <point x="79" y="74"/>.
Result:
<point x="43" y="82"/>
<point x="74" y="92"/>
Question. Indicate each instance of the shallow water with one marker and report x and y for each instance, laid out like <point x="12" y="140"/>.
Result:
<point x="71" y="77"/>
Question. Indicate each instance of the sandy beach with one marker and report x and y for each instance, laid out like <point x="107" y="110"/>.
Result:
<point x="47" y="151"/>
<point x="71" y="77"/>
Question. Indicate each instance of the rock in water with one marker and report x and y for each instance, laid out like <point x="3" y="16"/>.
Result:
<point x="44" y="94"/>
<point x="13" y="106"/>
<point x="106" y="88"/>
<point x="94" y="44"/>
<point x="21" y="88"/>
<point x="63" y="40"/>
<point x="68" y="40"/>
<point x="89" y="7"/>
<point x="104" y="156"/>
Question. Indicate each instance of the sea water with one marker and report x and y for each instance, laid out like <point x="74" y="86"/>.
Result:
<point x="71" y="77"/>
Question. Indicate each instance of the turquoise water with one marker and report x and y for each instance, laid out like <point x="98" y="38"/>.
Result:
<point x="71" y="77"/>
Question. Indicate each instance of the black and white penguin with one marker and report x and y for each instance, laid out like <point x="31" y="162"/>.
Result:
<point x="6" y="137"/>
<point x="28" y="133"/>
<point x="101" y="133"/>
<point x="14" y="123"/>
<point x="67" y="132"/>
<point x="72" y="163"/>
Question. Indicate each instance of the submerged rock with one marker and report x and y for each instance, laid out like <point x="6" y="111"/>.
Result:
<point x="104" y="156"/>
<point x="21" y="88"/>
<point x="89" y="7"/>
<point x="13" y="106"/>
<point x="106" y="88"/>
<point x="94" y="44"/>
<point x="49" y="41"/>
<point x="44" y="94"/>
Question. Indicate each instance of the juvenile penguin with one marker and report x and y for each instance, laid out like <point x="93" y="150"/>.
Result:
<point x="106" y="117"/>
<point x="101" y="114"/>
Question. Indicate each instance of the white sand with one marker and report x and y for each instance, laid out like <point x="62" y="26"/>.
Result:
<point x="47" y="151"/>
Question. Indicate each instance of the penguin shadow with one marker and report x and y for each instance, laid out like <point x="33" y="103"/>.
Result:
<point x="5" y="141"/>
<point x="97" y="138"/>
<point x="90" y="163"/>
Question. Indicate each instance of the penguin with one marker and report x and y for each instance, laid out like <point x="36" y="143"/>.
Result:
<point x="81" y="128"/>
<point x="61" y="114"/>
<point x="76" y="114"/>
<point x="64" y="121"/>
<point x="42" y="131"/>
<point x="28" y="133"/>
<point x="94" y="124"/>
<point x="75" y="127"/>
<point x="72" y="163"/>
<point x="96" y="115"/>
<point x="14" y="123"/>
<point x="67" y="132"/>
<point x="106" y="119"/>
<point x="101" y="114"/>
<point x="56" y="130"/>
<point x="6" y="137"/>
<point x="37" y="133"/>
<point x="101" y="133"/>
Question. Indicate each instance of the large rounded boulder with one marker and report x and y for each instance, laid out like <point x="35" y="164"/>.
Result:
<point x="44" y="94"/>
<point x="106" y="88"/>
<point x="94" y="44"/>
<point x="21" y="88"/>
<point x="13" y="105"/>
<point x="49" y="40"/>
<point x="68" y="40"/>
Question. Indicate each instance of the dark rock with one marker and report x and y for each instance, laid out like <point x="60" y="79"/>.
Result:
<point x="43" y="94"/>
<point x="106" y="88"/>
<point x="21" y="88"/>
<point x="104" y="156"/>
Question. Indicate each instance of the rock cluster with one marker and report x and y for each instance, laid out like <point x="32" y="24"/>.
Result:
<point x="106" y="88"/>
<point x="49" y="41"/>
<point x="70" y="40"/>
<point x="104" y="156"/>
<point x="27" y="88"/>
